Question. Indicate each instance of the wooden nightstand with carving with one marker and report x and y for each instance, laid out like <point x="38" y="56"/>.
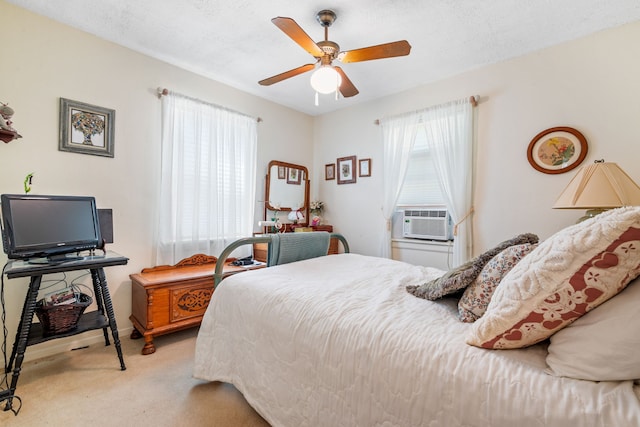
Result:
<point x="169" y="298"/>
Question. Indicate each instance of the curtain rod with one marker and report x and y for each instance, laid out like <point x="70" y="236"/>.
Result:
<point x="473" y="100"/>
<point x="164" y="92"/>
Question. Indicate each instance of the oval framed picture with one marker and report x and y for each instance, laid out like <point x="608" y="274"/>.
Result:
<point x="557" y="150"/>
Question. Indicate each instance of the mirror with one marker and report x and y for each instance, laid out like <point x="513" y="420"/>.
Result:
<point x="287" y="187"/>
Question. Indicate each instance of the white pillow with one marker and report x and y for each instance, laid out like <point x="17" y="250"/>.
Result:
<point x="604" y="344"/>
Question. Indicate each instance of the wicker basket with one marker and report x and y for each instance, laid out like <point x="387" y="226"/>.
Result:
<point x="57" y="319"/>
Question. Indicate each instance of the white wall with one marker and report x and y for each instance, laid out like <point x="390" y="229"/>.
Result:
<point x="590" y="84"/>
<point x="44" y="61"/>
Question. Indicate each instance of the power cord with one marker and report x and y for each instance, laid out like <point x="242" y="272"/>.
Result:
<point x="4" y="383"/>
<point x="78" y="288"/>
<point x="449" y="253"/>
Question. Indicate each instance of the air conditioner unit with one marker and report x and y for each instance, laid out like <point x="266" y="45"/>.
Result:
<point x="429" y="224"/>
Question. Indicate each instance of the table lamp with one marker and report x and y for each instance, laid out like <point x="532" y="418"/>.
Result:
<point x="598" y="187"/>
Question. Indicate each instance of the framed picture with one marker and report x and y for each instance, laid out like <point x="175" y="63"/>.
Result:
<point x="346" y="170"/>
<point x="282" y="172"/>
<point x="330" y="171"/>
<point x="557" y="150"/>
<point x="293" y="176"/>
<point x="85" y="128"/>
<point x="364" y="167"/>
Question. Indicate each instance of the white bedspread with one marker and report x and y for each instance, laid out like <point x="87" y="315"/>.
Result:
<point x="337" y="341"/>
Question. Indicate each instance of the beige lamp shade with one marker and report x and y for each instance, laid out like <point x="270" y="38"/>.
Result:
<point x="601" y="185"/>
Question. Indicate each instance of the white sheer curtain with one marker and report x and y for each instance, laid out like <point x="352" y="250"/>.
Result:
<point x="207" y="183"/>
<point x="449" y="129"/>
<point x="399" y="135"/>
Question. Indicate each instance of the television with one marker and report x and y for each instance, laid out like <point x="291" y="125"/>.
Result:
<point x="50" y="227"/>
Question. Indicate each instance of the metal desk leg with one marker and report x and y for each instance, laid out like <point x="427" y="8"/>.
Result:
<point x="20" y="344"/>
<point x="106" y="299"/>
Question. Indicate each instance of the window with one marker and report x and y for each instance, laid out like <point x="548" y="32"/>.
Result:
<point x="449" y="137"/>
<point x="421" y="186"/>
<point x="207" y="186"/>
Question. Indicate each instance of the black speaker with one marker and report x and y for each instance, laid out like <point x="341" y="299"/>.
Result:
<point x="105" y="218"/>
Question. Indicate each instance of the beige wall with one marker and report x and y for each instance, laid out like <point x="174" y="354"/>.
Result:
<point x="44" y="61"/>
<point x="590" y="84"/>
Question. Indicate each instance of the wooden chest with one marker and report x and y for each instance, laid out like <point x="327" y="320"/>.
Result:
<point x="166" y="299"/>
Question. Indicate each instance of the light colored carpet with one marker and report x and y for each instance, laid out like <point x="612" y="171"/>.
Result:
<point x="86" y="387"/>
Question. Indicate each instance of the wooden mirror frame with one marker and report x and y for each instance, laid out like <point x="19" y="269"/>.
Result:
<point x="304" y="183"/>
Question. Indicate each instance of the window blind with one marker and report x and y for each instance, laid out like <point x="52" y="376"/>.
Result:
<point x="421" y="186"/>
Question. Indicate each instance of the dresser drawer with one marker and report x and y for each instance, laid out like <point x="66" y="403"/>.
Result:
<point x="260" y="251"/>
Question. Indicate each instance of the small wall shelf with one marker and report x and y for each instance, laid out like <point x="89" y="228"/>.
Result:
<point x="8" y="136"/>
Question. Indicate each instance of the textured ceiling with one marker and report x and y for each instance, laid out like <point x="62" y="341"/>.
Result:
<point x="234" y="42"/>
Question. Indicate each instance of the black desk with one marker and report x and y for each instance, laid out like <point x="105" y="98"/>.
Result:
<point x="29" y="334"/>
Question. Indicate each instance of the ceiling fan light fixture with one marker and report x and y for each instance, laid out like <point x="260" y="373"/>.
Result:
<point x="325" y="79"/>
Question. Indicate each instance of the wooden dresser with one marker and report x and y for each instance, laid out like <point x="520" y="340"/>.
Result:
<point x="167" y="298"/>
<point x="261" y="253"/>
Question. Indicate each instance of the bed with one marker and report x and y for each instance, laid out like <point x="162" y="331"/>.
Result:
<point x="338" y="341"/>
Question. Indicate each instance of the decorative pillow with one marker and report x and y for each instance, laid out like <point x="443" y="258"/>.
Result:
<point x="583" y="350"/>
<point x="476" y="297"/>
<point x="566" y="276"/>
<point x="460" y="277"/>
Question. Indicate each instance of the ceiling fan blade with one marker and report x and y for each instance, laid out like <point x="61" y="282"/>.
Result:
<point x="387" y="50"/>
<point x="297" y="34"/>
<point x="347" y="89"/>
<point x="287" y="74"/>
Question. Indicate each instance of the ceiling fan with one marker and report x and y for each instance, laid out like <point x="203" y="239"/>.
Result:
<point x="329" y="78"/>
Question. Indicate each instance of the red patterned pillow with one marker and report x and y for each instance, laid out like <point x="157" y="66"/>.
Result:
<point x="476" y="297"/>
<point x="566" y="276"/>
